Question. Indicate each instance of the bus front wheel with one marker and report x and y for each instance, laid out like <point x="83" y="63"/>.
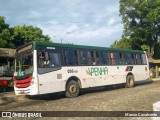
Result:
<point x="129" y="81"/>
<point x="72" y="89"/>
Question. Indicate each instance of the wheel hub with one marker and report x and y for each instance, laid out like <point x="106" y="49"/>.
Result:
<point x="72" y="88"/>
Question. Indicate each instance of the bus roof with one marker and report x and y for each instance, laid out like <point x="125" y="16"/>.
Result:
<point x="83" y="47"/>
<point x="7" y="52"/>
<point x="35" y="44"/>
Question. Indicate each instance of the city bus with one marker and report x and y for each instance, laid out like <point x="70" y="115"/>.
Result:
<point x="6" y="67"/>
<point x="43" y="67"/>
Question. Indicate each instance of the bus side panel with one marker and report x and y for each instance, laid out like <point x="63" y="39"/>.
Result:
<point x="56" y="81"/>
<point x="140" y="72"/>
<point x="48" y="82"/>
<point x="116" y="74"/>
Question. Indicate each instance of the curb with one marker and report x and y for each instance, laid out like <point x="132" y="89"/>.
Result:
<point x="155" y="79"/>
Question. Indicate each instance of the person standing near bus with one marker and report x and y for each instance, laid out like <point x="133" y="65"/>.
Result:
<point x="159" y="71"/>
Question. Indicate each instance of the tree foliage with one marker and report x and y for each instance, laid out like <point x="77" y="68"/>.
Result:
<point x="24" y="34"/>
<point x="123" y="43"/>
<point x="5" y="35"/>
<point x="19" y="35"/>
<point x="141" y="21"/>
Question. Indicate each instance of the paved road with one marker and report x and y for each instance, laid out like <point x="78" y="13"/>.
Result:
<point x="115" y="98"/>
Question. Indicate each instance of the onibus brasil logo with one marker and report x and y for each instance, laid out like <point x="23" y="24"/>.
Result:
<point x="96" y="71"/>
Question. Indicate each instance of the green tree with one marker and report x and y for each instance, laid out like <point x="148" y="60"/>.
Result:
<point x="5" y="37"/>
<point x="123" y="43"/>
<point x="24" y="34"/>
<point x="156" y="50"/>
<point x="141" y="21"/>
<point x="19" y="35"/>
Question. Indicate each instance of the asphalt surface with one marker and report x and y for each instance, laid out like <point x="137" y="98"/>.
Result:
<point x="7" y="95"/>
<point x="110" y="98"/>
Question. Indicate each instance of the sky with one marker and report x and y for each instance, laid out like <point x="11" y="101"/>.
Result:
<point x="83" y="22"/>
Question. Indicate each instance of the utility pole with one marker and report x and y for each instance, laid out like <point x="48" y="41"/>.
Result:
<point x="61" y="40"/>
<point x="62" y="36"/>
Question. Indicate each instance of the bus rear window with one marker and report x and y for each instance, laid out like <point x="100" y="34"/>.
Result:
<point x="144" y="59"/>
<point x="138" y="59"/>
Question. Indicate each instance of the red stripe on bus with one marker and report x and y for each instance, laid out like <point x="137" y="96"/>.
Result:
<point x="3" y="83"/>
<point x="23" y="83"/>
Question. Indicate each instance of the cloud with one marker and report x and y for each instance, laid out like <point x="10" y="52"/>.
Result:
<point x="87" y="22"/>
<point x="34" y="14"/>
<point x="84" y="35"/>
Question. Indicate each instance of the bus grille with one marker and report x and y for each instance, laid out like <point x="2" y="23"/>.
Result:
<point x="23" y="83"/>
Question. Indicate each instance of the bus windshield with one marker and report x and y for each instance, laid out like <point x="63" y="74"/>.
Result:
<point x="24" y="64"/>
<point x="6" y="67"/>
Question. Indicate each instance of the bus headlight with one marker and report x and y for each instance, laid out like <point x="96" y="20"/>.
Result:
<point x="32" y="82"/>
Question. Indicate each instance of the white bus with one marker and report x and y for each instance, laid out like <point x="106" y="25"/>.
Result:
<point x="42" y="68"/>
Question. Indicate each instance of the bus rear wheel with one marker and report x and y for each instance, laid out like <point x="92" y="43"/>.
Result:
<point x="129" y="81"/>
<point x="72" y="89"/>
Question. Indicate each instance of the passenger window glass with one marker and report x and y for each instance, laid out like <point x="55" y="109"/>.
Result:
<point x="106" y="60"/>
<point x="118" y="58"/>
<point x="70" y="57"/>
<point x="89" y="58"/>
<point x="83" y="56"/>
<point x="144" y="59"/>
<point x="54" y="59"/>
<point x="129" y="58"/>
<point x="138" y="59"/>
<point x="112" y="58"/>
<point x="41" y="59"/>
<point x="48" y="59"/>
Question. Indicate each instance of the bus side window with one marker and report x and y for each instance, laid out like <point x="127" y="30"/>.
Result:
<point x="121" y="61"/>
<point x="112" y="58"/>
<point x="76" y="61"/>
<point x="41" y="59"/>
<point x="93" y="55"/>
<point x="70" y="57"/>
<point x="66" y="57"/>
<point x="54" y="59"/>
<point x="89" y="58"/>
<point x="118" y="58"/>
<point x="129" y="58"/>
<point x="102" y="58"/>
<point x="48" y="59"/>
<point x="98" y="58"/>
<point x="83" y="56"/>
<point x="138" y="59"/>
<point x="106" y="59"/>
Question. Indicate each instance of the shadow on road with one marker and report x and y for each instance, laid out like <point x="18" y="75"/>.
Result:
<point x="50" y="96"/>
<point x="113" y="87"/>
<point x="55" y="96"/>
<point x="6" y="89"/>
<point x="143" y="82"/>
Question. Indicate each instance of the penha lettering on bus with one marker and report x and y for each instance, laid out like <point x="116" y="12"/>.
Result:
<point x="96" y="71"/>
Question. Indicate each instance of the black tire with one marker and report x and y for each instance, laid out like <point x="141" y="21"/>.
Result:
<point x="72" y="89"/>
<point x="129" y="81"/>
